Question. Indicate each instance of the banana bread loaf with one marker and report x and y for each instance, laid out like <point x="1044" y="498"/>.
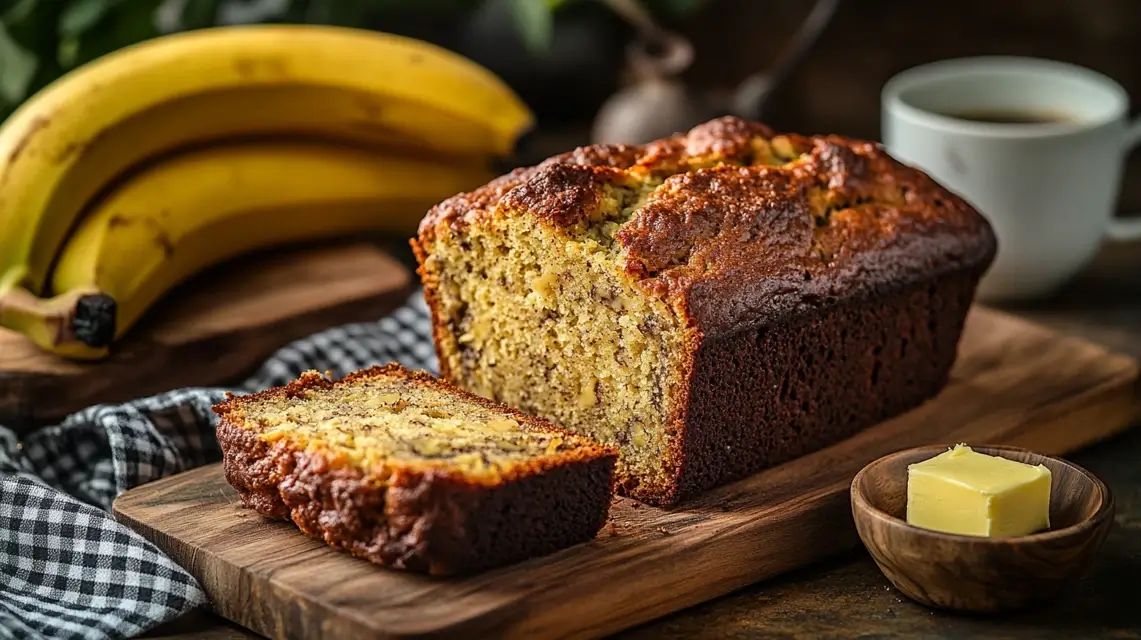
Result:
<point x="401" y="469"/>
<point x="711" y="303"/>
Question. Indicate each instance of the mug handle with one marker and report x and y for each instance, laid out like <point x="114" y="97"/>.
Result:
<point x="1128" y="229"/>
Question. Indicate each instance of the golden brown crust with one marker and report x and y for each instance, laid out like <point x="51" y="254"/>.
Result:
<point x="564" y="179"/>
<point x="730" y="245"/>
<point x="754" y="246"/>
<point x="416" y="517"/>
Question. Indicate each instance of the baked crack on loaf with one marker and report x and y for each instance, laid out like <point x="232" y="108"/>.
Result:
<point x="712" y="303"/>
<point x="406" y="471"/>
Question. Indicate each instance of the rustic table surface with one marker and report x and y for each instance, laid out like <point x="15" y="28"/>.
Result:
<point x="849" y="598"/>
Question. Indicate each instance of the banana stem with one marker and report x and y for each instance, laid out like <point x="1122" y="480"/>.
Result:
<point x="75" y="324"/>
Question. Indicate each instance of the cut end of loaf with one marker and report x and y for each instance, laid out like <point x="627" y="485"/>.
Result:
<point x="550" y="325"/>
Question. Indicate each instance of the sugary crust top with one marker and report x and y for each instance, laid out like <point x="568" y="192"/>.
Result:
<point x="730" y="237"/>
<point x="232" y="411"/>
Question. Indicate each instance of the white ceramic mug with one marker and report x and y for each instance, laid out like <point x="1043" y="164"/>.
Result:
<point x="1049" y="188"/>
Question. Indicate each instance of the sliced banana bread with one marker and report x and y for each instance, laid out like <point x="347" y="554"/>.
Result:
<point x="406" y="471"/>
<point x="712" y="303"/>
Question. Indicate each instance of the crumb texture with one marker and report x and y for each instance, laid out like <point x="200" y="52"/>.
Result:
<point x="396" y="421"/>
<point x="561" y="335"/>
<point x="592" y="288"/>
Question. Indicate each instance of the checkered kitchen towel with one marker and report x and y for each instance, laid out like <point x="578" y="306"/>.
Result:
<point x="67" y="568"/>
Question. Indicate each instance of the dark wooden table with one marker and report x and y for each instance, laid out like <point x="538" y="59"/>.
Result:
<point x="847" y="597"/>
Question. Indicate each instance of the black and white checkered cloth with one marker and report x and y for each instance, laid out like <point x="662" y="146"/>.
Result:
<point x="67" y="568"/>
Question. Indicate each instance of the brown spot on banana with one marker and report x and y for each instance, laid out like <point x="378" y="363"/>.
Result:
<point x="370" y="107"/>
<point x="38" y="123"/>
<point x="251" y="68"/>
<point x="161" y="237"/>
<point x="70" y="150"/>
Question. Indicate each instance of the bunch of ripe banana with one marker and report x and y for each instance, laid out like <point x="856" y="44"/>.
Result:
<point x="132" y="173"/>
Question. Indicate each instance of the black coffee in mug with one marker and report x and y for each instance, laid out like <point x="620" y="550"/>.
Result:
<point x="998" y="116"/>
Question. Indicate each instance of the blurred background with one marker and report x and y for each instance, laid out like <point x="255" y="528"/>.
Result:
<point x="566" y="57"/>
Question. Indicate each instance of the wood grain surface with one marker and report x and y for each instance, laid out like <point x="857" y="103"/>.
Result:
<point x="1015" y="384"/>
<point x="979" y="574"/>
<point x="212" y="331"/>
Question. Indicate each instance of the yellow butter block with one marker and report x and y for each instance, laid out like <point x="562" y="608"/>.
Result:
<point x="969" y="493"/>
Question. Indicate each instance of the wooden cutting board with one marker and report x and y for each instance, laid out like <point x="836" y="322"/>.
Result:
<point x="214" y="330"/>
<point x="1015" y="383"/>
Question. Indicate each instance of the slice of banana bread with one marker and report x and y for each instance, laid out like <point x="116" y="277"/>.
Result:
<point x="712" y="303"/>
<point x="406" y="471"/>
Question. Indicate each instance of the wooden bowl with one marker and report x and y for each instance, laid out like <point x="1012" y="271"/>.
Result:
<point x="975" y="574"/>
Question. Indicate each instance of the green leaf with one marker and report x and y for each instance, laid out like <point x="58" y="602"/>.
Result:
<point x="534" y="21"/>
<point x="82" y="15"/>
<point x="15" y="11"/>
<point x="199" y="14"/>
<point x="325" y="12"/>
<point x="125" y="23"/>
<point x="349" y="13"/>
<point x="34" y="26"/>
<point x="17" y="69"/>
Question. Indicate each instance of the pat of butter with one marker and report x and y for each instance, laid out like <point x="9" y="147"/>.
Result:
<point x="969" y="493"/>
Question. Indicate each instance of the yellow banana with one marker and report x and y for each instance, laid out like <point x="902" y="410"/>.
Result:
<point x="204" y="206"/>
<point x="73" y="138"/>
